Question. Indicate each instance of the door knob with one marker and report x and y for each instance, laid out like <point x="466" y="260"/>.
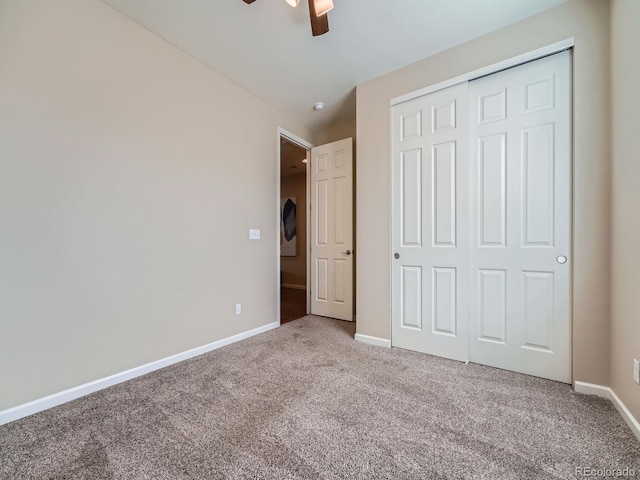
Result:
<point x="561" y="259"/>
<point x="396" y="256"/>
<point x="348" y="252"/>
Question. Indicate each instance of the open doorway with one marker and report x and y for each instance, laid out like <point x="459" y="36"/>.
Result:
<point x="294" y="230"/>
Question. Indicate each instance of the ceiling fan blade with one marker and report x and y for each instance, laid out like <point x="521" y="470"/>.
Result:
<point x="249" y="1"/>
<point x="319" y="24"/>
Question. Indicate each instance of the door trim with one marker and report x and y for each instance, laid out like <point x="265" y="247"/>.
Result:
<point x="489" y="69"/>
<point x="281" y="132"/>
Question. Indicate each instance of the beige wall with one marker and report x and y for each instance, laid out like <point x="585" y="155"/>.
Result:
<point x="336" y="132"/>
<point x="625" y="258"/>
<point x="127" y="189"/>
<point x="588" y="22"/>
<point x="294" y="269"/>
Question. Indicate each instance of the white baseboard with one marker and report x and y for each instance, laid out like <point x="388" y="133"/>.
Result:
<point x="59" y="398"/>
<point x="380" y="342"/>
<point x="592" y="389"/>
<point x="295" y="287"/>
<point x="608" y="393"/>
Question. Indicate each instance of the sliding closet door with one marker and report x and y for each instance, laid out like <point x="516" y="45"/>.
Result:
<point x="430" y="224"/>
<point x="481" y="220"/>
<point x="520" y="165"/>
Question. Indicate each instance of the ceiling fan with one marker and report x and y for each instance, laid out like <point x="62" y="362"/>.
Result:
<point x="317" y="12"/>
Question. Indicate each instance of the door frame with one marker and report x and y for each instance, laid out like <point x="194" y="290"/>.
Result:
<point x="302" y="143"/>
<point x="557" y="47"/>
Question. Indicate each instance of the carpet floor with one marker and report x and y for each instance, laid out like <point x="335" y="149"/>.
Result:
<point x="305" y="401"/>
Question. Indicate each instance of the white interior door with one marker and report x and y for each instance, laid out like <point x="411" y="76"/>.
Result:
<point x="521" y="224"/>
<point x="332" y="230"/>
<point x="429" y="224"/>
<point x="481" y="220"/>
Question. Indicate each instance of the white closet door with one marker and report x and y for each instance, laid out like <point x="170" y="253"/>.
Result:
<point x="429" y="224"/>
<point x="521" y="218"/>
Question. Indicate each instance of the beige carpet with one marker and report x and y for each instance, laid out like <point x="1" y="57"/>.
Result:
<point x="306" y="401"/>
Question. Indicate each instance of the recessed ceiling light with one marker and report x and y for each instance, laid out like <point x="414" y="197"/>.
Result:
<point x="318" y="106"/>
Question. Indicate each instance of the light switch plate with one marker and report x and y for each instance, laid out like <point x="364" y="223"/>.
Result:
<point x="238" y="308"/>
<point x="254" y="234"/>
<point x="636" y="371"/>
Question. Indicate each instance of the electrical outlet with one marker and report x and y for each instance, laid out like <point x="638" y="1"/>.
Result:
<point x="254" y="234"/>
<point x="238" y="308"/>
<point x="636" y="371"/>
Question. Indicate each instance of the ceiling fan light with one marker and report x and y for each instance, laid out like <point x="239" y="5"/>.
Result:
<point x="322" y="6"/>
<point x="293" y="3"/>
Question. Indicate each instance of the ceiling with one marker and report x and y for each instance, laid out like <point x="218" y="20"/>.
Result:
<point x="267" y="47"/>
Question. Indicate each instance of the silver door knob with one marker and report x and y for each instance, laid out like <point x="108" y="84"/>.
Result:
<point x="561" y="259"/>
<point x="396" y="256"/>
<point x="348" y="252"/>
